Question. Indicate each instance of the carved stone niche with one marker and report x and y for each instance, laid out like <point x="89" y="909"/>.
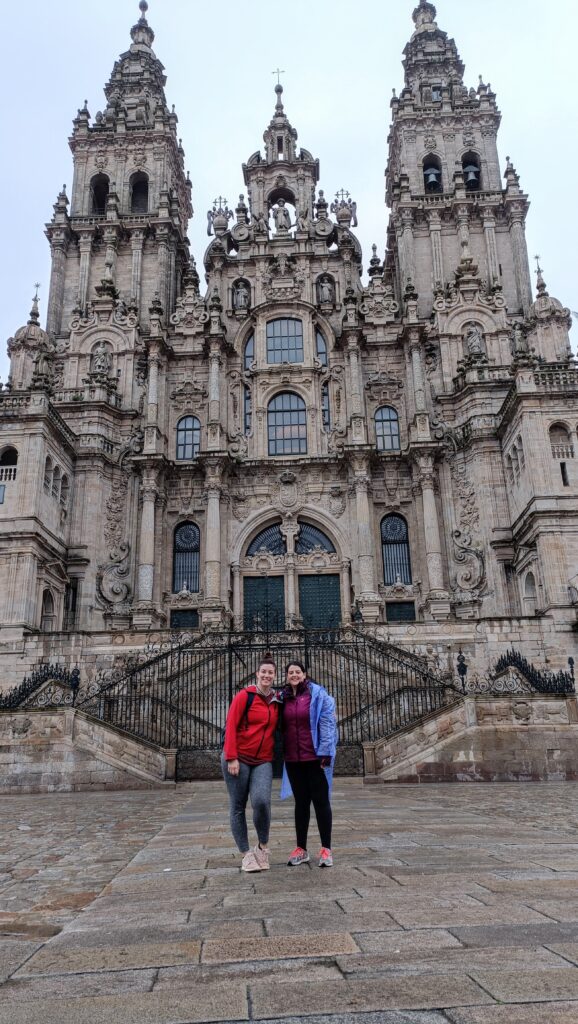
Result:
<point x="325" y="289"/>
<point x="241" y="297"/>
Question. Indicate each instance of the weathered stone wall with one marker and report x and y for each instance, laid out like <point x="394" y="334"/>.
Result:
<point x="484" y="739"/>
<point x="64" y="751"/>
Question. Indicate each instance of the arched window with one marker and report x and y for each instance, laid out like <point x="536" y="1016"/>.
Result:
<point x="56" y="483"/>
<point x="99" y="189"/>
<point x="249" y="353"/>
<point x="8" y="464"/>
<point x="188" y="437"/>
<point x="395" y="548"/>
<point x="387" y="429"/>
<point x="247" y="409"/>
<point x="561" y="442"/>
<point x="530" y="594"/>
<point x="47" y="617"/>
<point x="472" y="173"/>
<point x="287" y="425"/>
<point x="309" y="538"/>
<point x="270" y="539"/>
<point x="48" y="474"/>
<point x="432" y="174"/>
<point x="139" y="193"/>
<point x="321" y="348"/>
<point x="64" y="490"/>
<point x="285" y="341"/>
<point x="186" y="557"/>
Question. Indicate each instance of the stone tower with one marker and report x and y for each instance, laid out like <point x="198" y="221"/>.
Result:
<point x="291" y="445"/>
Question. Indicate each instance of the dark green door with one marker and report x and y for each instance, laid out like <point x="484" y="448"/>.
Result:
<point x="264" y="603"/>
<point x="320" y="602"/>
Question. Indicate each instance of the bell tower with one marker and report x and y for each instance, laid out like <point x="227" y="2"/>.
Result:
<point x="443" y="177"/>
<point x="125" y="225"/>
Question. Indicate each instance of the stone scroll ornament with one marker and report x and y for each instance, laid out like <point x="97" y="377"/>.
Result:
<point x="469" y="554"/>
<point x="113" y="578"/>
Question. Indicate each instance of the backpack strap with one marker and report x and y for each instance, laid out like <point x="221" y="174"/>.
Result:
<point x="250" y="698"/>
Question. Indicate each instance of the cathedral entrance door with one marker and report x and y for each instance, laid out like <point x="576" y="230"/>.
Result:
<point x="264" y="603"/>
<point x="320" y="601"/>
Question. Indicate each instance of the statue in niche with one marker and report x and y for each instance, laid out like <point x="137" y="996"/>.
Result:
<point x="241" y="295"/>
<point x="474" y="340"/>
<point x="325" y="290"/>
<point x="281" y="217"/>
<point x="101" y="359"/>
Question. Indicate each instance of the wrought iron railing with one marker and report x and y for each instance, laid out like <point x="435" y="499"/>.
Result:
<point x="180" y="697"/>
<point x="63" y="691"/>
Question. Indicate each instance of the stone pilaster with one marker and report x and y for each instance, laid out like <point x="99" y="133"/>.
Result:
<point x="435" y="232"/>
<point x="59" y="247"/>
<point x="368" y="597"/>
<point x="489" y="222"/>
<point x="438" y="598"/>
<point x="85" y="247"/>
<point x="516" y="219"/>
<point x="137" y="245"/>
<point x="213" y="608"/>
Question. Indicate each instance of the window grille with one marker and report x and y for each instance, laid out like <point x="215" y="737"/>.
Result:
<point x="395" y="548"/>
<point x="270" y="539"/>
<point x="309" y="538"/>
<point x="186" y="558"/>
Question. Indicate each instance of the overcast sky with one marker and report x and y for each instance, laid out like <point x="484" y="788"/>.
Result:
<point x="341" y="62"/>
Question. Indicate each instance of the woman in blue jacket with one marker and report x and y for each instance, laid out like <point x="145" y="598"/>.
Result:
<point x="309" y="741"/>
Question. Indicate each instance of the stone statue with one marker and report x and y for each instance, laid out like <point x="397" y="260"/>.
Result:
<point x="325" y="289"/>
<point x="260" y="225"/>
<point x="475" y="340"/>
<point x="281" y="216"/>
<point x="241" y="295"/>
<point x="303" y="220"/>
<point x="101" y="360"/>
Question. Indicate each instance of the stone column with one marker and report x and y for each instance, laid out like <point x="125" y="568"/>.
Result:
<point x="345" y="578"/>
<point x="433" y="544"/>
<point x="290" y="529"/>
<point x="213" y="485"/>
<point x="435" y="232"/>
<point x="368" y="598"/>
<point x="59" y="248"/>
<point x="491" y="247"/>
<point x="408" y="248"/>
<point x="137" y="245"/>
<point x="520" y="252"/>
<point x="463" y="222"/>
<point x="163" y="271"/>
<point x="111" y="242"/>
<point x="237" y="618"/>
<point x="356" y="403"/>
<point x="146" y="555"/>
<point x="85" y="247"/>
<point x="417" y="372"/>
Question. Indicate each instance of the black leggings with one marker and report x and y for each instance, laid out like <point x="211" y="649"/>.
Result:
<point x="309" y="783"/>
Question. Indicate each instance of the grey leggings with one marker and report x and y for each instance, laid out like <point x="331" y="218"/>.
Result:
<point x="253" y="780"/>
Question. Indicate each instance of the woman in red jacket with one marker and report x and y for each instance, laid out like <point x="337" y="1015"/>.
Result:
<point x="247" y="763"/>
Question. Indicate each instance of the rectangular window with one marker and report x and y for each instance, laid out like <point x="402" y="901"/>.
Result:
<point x="285" y="341"/>
<point x="186" y="618"/>
<point x="2" y="493"/>
<point x="400" y="611"/>
<point x="564" y="472"/>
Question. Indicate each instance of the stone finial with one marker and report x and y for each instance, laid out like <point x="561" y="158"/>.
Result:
<point x="279" y="108"/>
<point x="142" y="33"/>
<point x="424" y="15"/>
<point x="34" y="312"/>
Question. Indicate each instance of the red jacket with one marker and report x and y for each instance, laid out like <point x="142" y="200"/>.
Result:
<point x="250" y="738"/>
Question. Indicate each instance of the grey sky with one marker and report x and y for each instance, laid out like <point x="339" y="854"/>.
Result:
<point x="341" y="62"/>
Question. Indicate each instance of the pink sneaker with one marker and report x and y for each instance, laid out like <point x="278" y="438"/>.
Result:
<point x="262" y="857"/>
<point x="325" y="858"/>
<point x="298" y="856"/>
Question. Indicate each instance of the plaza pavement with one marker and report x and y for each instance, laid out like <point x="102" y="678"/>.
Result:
<point x="446" y="904"/>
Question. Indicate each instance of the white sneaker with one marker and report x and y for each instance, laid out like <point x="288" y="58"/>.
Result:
<point x="262" y="857"/>
<point x="250" y="862"/>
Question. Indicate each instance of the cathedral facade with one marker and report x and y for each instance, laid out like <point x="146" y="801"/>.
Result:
<point x="288" y="445"/>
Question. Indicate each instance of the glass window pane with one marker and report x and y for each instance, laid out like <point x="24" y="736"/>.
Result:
<point x="186" y="556"/>
<point x="188" y="437"/>
<point x="285" y="341"/>
<point x="287" y="425"/>
<point x="387" y="429"/>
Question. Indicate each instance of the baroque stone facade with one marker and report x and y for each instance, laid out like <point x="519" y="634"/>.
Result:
<point x="291" y="444"/>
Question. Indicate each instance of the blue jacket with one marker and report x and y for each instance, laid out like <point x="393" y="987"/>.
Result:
<point x="323" y="731"/>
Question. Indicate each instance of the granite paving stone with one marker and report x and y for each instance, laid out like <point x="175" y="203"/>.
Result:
<point x="445" y="903"/>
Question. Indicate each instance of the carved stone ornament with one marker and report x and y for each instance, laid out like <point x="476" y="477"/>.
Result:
<point x="379" y="304"/>
<point x="112" y="580"/>
<point x="470" y="580"/>
<point x="188" y="393"/>
<point x="383" y="385"/>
